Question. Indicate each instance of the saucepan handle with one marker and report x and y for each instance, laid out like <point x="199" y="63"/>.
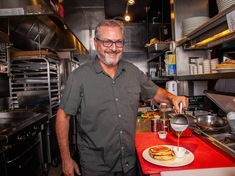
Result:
<point x="181" y="107"/>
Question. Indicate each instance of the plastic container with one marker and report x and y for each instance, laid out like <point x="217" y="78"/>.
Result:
<point x="162" y="134"/>
<point x="171" y="86"/>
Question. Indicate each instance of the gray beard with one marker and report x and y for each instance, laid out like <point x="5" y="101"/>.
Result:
<point x="107" y="61"/>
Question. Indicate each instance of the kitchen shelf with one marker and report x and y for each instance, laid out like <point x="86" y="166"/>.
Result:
<point x="159" y="47"/>
<point x="214" y="26"/>
<point x="228" y="75"/>
<point x="162" y="78"/>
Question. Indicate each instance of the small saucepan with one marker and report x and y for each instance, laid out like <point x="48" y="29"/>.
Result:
<point x="211" y="122"/>
<point x="179" y="121"/>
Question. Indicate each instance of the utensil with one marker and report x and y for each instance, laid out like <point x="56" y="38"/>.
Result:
<point x="179" y="123"/>
<point x="211" y="122"/>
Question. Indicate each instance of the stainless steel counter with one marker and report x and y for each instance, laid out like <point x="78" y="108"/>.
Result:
<point x="223" y="140"/>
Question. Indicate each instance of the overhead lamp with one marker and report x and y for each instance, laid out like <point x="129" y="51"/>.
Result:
<point x="131" y="2"/>
<point x="127" y="17"/>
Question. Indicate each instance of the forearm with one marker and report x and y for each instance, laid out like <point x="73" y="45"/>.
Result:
<point x="162" y="96"/>
<point x="62" y="131"/>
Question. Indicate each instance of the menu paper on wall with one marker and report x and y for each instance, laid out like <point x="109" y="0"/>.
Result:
<point x="231" y="21"/>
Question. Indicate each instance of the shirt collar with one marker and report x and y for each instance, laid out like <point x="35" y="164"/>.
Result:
<point x="98" y="68"/>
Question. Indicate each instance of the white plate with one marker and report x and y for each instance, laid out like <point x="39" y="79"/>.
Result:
<point x="189" y="157"/>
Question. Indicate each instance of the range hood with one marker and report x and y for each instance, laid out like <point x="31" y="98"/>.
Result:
<point x="32" y="24"/>
<point x="23" y="7"/>
<point x="225" y="101"/>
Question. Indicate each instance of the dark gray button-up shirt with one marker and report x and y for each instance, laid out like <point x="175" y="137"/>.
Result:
<point x="106" y="110"/>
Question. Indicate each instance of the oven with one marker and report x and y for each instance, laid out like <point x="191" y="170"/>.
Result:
<point x="25" y="158"/>
<point x="23" y="152"/>
<point x="2" y="164"/>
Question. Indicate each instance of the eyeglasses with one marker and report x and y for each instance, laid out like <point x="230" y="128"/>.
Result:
<point x="109" y="43"/>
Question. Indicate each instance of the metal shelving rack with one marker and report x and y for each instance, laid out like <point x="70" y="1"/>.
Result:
<point x="35" y="76"/>
<point x="35" y="81"/>
<point x="3" y="57"/>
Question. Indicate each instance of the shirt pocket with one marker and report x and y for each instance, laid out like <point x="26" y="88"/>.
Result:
<point x="133" y="95"/>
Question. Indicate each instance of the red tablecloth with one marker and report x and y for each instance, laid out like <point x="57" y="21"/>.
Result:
<point x="206" y="155"/>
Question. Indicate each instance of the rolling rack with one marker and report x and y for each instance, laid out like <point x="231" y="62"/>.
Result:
<point x="35" y="84"/>
<point x="3" y="57"/>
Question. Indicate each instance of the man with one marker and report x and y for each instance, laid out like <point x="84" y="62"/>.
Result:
<point x="104" y="95"/>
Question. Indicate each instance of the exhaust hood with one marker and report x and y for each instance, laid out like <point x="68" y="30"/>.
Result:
<point x="225" y="101"/>
<point x="32" y="25"/>
<point x="24" y="7"/>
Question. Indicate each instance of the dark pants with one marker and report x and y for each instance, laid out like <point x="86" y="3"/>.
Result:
<point x="132" y="172"/>
<point x="86" y="172"/>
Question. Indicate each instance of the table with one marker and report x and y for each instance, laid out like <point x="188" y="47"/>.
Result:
<point x="206" y="155"/>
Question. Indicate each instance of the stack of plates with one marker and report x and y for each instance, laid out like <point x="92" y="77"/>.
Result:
<point x="214" y="62"/>
<point x="206" y="66"/>
<point x="190" y="24"/>
<point x="224" y="4"/>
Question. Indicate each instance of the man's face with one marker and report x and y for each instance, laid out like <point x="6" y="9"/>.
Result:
<point x="108" y="52"/>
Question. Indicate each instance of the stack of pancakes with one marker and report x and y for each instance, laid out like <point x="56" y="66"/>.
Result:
<point x="162" y="153"/>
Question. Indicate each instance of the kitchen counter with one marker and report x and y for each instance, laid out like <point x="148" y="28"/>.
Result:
<point x="206" y="155"/>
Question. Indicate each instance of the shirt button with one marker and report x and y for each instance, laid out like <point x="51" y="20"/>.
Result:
<point x="116" y="99"/>
<point x="122" y="148"/>
<point x="121" y="132"/>
<point x="119" y="115"/>
<point x="127" y="164"/>
<point x="114" y="82"/>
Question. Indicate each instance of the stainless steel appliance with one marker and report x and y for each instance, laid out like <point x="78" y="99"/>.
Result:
<point x="21" y="149"/>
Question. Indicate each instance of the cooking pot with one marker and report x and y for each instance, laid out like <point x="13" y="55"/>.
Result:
<point x="211" y="122"/>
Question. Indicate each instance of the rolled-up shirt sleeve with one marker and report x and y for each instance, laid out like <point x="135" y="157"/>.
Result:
<point x="148" y="87"/>
<point x="72" y="95"/>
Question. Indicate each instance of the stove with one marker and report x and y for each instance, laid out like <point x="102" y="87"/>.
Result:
<point x="16" y="126"/>
<point x="21" y="142"/>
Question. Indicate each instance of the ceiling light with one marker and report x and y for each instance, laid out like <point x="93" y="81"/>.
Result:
<point x="131" y="2"/>
<point x="127" y="17"/>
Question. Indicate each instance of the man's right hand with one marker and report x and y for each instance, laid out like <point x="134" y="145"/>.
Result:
<point x="69" y="167"/>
